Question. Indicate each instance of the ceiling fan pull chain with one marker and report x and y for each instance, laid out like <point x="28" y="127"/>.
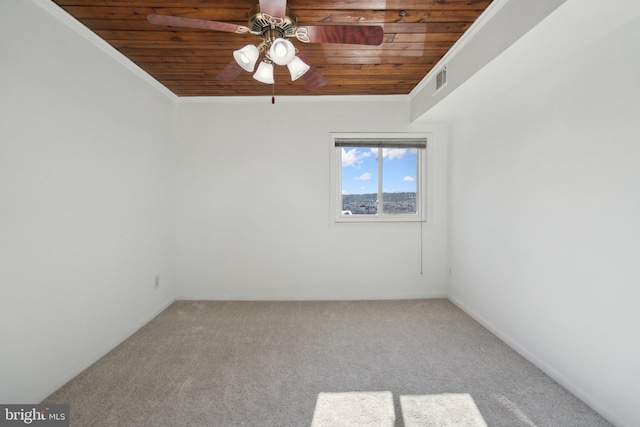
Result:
<point x="273" y="93"/>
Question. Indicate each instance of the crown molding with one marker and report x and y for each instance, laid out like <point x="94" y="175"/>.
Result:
<point x="63" y="16"/>
<point x="468" y="35"/>
<point x="291" y="99"/>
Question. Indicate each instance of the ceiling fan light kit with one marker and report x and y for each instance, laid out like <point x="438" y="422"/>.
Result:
<point x="264" y="73"/>
<point x="282" y="51"/>
<point x="247" y="57"/>
<point x="274" y="23"/>
<point x="297" y="68"/>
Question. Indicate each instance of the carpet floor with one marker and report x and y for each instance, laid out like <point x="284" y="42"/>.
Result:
<point x="317" y="363"/>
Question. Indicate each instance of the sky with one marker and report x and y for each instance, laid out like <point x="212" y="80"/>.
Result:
<point x="360" y="170"/>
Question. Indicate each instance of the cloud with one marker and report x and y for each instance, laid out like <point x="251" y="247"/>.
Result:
<point x="408" y="179"/>
<point x="393" y="153"/>
<point x="349" y="158"/>
<point x="364" y="177"/>
<point x="354" y="157"/>
<point x="397" y="153"/>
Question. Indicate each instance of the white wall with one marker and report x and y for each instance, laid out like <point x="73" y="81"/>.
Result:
<point x="544" y="207"/>
<point x="253" y="205"/>
<point x="86" y="202"/>
<point x="499" y="26"/>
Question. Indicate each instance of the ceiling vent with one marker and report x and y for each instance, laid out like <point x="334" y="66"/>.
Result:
<point x="441" y="78"/>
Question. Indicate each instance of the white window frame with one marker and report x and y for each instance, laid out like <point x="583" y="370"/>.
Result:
<point x="421" y="181"/>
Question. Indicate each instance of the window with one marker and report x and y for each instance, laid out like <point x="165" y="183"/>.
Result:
<point x="379" y="178"/>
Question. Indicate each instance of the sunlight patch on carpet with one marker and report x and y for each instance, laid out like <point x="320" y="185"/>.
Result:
<point x="513" y="408"/>
<point x="442" y="410"/>
<point x="354" y="409"/>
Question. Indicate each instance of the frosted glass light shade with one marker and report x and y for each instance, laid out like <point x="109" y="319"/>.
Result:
<point x="264" y="73"/>
<point x="246" y="57"/>
<point x="282" y="51"/>
<point x="297" y="68"/>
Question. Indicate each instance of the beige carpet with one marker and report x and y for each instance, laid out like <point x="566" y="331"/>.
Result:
<point x="373" y="408"/>
<point x="322" y="364"/>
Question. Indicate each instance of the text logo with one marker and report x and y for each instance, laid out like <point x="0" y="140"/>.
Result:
<point x="34" y="415"/>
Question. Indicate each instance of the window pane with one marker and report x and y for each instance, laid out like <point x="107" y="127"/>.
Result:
<point x="359" y="180"/>
<point x="399" y="180"/>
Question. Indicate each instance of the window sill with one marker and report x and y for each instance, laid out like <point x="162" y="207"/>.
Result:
<point x="376" y="218"/>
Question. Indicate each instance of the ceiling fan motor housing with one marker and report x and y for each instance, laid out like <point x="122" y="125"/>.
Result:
<point x="272" y="27"/>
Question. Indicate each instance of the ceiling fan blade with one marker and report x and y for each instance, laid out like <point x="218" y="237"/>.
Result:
<point x="371" y="35"/>
<point x="177" y="21"/>
<point x="230" y="72"/>
<point x="276" y="8"/>
<point x="313" y="78"/>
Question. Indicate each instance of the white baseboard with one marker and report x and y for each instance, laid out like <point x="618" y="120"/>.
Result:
<point x="71" y="373"/>
<point x="539" y="363"/>
<point x="319" y="297"/>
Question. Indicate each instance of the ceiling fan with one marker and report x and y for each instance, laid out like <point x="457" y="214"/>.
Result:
<point x="275" y="23"/>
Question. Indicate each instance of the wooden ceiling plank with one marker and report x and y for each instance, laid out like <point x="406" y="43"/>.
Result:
<point x="229" y="4"/>
<point x="143" y="25"/>
<point x="417" y="33"/>
<point x="294" y="4"/>
<point x="384" y="16"/>
<point x="394" y="4"/>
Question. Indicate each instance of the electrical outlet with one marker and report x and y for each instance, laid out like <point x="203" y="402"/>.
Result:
<point x="157" y="282"/>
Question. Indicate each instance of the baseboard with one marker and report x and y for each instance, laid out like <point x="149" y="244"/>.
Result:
<point x="539" y="363"/>
<point x="243" y="297"/>
<point x="71" y="373"/>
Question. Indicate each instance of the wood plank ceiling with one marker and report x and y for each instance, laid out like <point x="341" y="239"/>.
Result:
<point x="416" y="35"/>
